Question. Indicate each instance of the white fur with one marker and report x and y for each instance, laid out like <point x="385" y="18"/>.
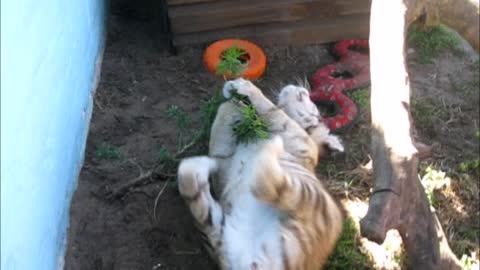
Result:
<point x="296" y="103"/>
<point x="251" y="223"/>
<point x="252" y="231"/>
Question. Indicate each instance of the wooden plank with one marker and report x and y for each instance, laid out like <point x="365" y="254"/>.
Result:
<point x="228" y="14"/>
<point x="186" y="2"/>
<point x="293" y="33"/>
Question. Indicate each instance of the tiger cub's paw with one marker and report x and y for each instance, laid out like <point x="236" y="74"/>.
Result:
<point x="193" y="175"/>
<point x="240" y="86"/>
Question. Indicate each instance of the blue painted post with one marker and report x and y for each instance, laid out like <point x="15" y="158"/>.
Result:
<point x="50" y="52"/>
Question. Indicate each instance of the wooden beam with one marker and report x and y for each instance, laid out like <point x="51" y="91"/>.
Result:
<point x="294" y="33"/>
<point x="228" y="14"/>
<point x="186" y="2"/>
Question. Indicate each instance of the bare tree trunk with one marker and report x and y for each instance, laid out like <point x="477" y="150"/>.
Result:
<point x="398" y="200"/>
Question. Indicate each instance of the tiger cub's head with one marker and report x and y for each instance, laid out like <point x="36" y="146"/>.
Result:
<point x="295" y="101"/>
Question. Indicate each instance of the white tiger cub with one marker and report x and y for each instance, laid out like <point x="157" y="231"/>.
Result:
<point x="272" y="212"/>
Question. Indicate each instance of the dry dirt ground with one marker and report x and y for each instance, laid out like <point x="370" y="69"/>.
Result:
<point x="140" y="80"/>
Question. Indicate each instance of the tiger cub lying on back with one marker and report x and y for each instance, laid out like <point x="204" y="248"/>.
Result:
<point x="272" y="212"/>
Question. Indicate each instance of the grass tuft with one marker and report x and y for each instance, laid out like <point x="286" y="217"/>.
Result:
<point x="469" y="166"/>
<point x="425" y="113"/>
<point x="430" y="42"/>
<point x="346" y="254"/>
<point x="361" y="97"/>
<point x="327" y="168"/>
<point x="107" y="152"/>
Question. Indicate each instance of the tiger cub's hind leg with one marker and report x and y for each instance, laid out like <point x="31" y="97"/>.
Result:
<point x="193" y="174"/>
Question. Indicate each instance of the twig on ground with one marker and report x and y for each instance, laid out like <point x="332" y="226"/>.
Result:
<point x="148" y="176"/>
<point x="158" y="197"/>
<point x="122" y="188"/>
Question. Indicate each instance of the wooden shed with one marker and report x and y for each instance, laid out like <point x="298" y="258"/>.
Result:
<point x="288" y="22"/>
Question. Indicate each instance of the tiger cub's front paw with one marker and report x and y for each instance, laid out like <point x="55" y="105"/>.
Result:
<point x="240" y="86"/>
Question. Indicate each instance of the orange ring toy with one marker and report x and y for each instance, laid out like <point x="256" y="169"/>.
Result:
<point x="257" y="61"/>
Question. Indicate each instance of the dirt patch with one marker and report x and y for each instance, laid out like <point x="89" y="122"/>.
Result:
<point x="446" y="95"/>
<point x="141" y="79"/>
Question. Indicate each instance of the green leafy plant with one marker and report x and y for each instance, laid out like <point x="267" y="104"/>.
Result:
<point x="468" y="263"/>
<point x="164" y="155"/>
<point x="187" y="143"/>
<point x="251" y="127"/>
<point x="431" y="180"/>
<point x="232" y="62"/>
<point x="182" y="122"/>
<point x="208" y="111"/>
<point x="186" y="139"/>
<point x="182" y="119"/>
<point x="107" y="151"/>
<point x="430" y="42"/>
<point x="248" y="130"/>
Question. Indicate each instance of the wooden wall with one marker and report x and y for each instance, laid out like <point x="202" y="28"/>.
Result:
<point x="291" y="22"/>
